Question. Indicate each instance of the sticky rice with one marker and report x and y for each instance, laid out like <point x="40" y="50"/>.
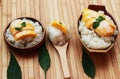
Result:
<point x="56" y="36"/>
<point x="26" y="41"/>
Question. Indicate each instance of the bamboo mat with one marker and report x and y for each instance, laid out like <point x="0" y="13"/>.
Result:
<point x="68" y="11"/>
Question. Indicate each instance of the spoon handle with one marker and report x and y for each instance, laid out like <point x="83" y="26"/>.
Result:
<point x="63" y="58"/>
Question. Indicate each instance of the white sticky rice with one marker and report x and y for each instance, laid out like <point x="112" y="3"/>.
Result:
<point x="56" y="36"/>
<point x="28" y="41"/>
<point x="93" y="40"/>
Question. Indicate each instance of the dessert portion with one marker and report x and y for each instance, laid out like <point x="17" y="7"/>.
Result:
<point x="97" y="30"/>
<point x="24" y="33"/>
<point x="58" y="33"/>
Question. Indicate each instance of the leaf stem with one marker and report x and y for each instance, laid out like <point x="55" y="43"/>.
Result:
<point x="45" y="75"/>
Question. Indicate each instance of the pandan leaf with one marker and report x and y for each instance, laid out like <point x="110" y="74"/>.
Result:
<point x="88" y="64"/>
<point x="44" y="58"/>
<point x="14" y="70"/>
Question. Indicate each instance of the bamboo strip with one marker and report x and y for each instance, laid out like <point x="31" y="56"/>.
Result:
<point x="14" y="9"/>
<point x="18" y="6"/>
<point x="23" y="8"/>
<point x="78" y="55"/>
<point x="9" y="11"/>
<point x="4" y="49"/>
<point x="51" y="11"/>
<point x="60" y="10"/>
<point x="27" y="6"/>
<point x="25" y="68"/>
<point x="77" y="8"/>
<point x="116" y="49"/>
<point x="0" y="41"/>
<point x="71" y="53"/>
<point x="111" y="70"/>
<point x="37" y="10"/>
<point x="55" y="8"/>
<point x="32" y="8"/>
<point x="36" y="67"/>
<point x="47" y="15"/>
<point x="30" y="68"/>
<point x="115" y="63"/>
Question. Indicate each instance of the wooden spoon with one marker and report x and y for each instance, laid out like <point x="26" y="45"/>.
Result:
<point x="62" y="52"/>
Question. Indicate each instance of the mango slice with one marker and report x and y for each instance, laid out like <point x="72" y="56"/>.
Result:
<point x="89" y="23"/>
<point x="25" y="33"/>
<point x="27" y="27"/>
<point x="59" y="26"/>
<point x="88" y="14"/>
<point x="104" y="29"/>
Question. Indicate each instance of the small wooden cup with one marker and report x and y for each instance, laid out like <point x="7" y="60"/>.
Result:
<point x="97" y="8"/>
<point x="28" y="49"/>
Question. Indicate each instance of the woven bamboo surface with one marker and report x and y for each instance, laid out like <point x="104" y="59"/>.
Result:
<point x="68" y="11"/>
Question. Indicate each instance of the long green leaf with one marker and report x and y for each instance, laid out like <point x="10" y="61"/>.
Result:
<point x="44" y="58"/>
<point x="14" y="70"/>
<point x="88" y="64"/>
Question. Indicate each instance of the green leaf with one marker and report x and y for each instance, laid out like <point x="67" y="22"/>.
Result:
<point x="44" y="58"/>
<point x="88" y="64"/>
<point x="23" y="24"/>
<point x="60" y="23"/>
<point x="97" y="22"/>
<point x="95" y="25"/>
<point x="18" y="28"/>
<point x="100" y="18"/>
<point x="14" y="70"/>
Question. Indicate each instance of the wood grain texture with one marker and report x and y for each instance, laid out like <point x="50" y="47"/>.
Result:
<point x="68" y="11"/>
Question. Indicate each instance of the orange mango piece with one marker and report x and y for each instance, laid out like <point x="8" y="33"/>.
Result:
<point x="59" y="26"/>
<point x="24" y="34"/>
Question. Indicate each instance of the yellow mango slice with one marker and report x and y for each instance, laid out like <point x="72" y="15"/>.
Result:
<point x="24" y="34"/>
<point x="59" y="26"/>
<point x="88" y="14"/>
<point x="89" y="23"/>
<point x="27" y="27"/>
<point x="13" y="31"/>
<point x="104" y="30"/>
<point x="84" y="17"/>
<point x="14" y="24"/>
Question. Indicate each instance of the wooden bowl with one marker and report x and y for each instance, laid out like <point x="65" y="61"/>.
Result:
<point x="97" y="8"/>
<point x="27" y="49"/>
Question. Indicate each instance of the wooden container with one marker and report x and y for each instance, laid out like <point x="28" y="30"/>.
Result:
<point x="28" y="49"/>
<point x="97" y="8"/>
